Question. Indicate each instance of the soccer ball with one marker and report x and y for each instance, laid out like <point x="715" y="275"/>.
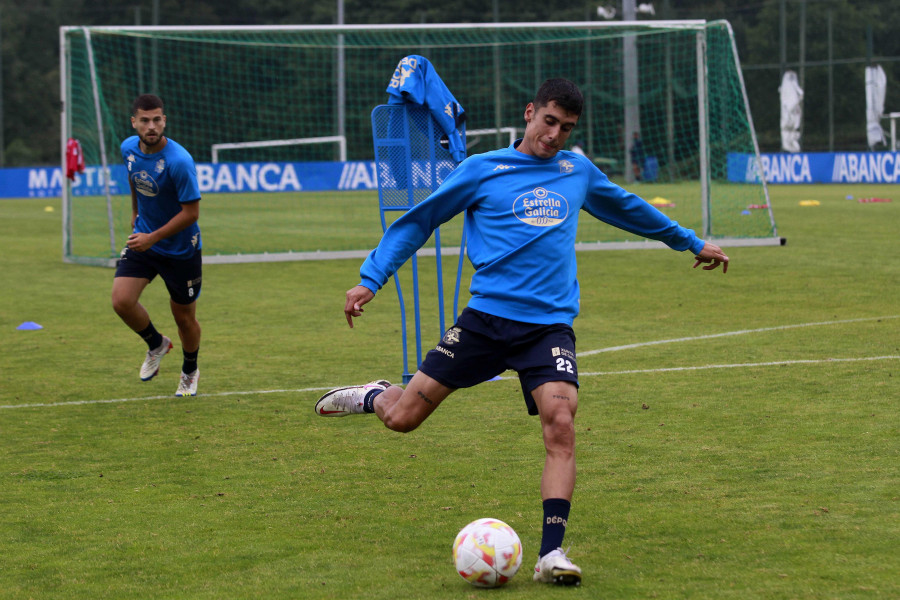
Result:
<point x="487" y="553"/>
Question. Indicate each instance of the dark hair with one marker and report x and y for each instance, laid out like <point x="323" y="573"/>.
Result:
<point x="562" y="91"/>
<point x="146" y="102"/>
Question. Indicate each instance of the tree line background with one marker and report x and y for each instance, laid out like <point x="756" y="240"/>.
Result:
<point x="829" y="42"/>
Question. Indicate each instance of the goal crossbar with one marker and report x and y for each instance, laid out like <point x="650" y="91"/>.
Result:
<point x="693" y="24"/>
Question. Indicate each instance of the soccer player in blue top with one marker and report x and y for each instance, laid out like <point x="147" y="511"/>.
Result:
<point x="522" y="204"/>
<point x="165" y="203"/>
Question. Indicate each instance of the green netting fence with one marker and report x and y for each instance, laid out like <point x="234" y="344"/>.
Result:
<point x="677" y="85"/>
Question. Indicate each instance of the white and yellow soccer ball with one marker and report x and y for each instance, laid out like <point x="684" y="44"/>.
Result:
<point x="487" y="553"/>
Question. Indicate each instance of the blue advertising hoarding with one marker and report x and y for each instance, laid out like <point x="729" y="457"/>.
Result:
<point x="817" y="167"/>
<point x="46" y="182"/>
<point x="788" y="168"/>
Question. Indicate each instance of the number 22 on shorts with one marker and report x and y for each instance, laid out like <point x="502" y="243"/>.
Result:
<point x="564" y="364"/>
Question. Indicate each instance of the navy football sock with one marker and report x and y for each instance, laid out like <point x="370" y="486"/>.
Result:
<point x="556" y="516"/>
<point x="369" y="401"/>
<point x="151" y="336"/>
<point x="189" y="364"/>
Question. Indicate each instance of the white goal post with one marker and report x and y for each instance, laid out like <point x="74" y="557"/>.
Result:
<point x="893" y="119"/>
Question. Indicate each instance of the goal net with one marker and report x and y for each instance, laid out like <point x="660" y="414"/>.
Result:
<point x="255" y="91"/>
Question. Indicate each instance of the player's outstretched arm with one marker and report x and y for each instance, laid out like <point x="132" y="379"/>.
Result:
<point x="356" y="298"/>
<point x="712" y="256"/>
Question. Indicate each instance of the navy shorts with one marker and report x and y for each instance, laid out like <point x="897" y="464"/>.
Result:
<point x="481" y="346"/>
<point x="182" y="276"/>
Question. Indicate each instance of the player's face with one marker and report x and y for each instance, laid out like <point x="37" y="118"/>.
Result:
<point x="149" y="126"/>
<point x="546" y="130"/>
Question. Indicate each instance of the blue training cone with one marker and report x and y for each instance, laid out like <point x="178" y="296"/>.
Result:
<point x="29" y="326"/>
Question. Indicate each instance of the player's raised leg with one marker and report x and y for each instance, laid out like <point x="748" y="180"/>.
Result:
<point x="399" y="409"/>
<point x="126" y="292"/>
<point x="410" y="409"/>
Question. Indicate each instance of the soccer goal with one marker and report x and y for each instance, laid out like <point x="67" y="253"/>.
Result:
<point x="674" y="85"/>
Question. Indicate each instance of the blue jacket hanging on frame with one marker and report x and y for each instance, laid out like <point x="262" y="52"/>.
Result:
<point x="416" y="81"/>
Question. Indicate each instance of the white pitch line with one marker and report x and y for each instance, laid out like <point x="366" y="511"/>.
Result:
<point x="142" y="398"/>
<point x="777" y="363"/>
<point x="730" y="333"/>
<point x="588" y="353"/>
<point x="595" y="374"/>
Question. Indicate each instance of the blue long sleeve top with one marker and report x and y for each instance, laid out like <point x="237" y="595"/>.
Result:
<point x="522" y="214"/>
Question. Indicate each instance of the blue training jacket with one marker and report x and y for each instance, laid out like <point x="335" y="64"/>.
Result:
<point x="522" y="216"/>
<point x="416" y="81"/>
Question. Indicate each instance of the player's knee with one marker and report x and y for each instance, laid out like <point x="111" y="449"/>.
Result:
<point x="122" y="304"/>
<point x="188" y="324"/>
<point x="559" y="432"/>
<point x="561" y="418"/>
<point x="186" y="320"/>
<point x="399" y="422"/>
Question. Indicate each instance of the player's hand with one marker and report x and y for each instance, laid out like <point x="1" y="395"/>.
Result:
<point x="140" y="242"/>
<point x="356" y="298"/>
<point x="711" y="256"/>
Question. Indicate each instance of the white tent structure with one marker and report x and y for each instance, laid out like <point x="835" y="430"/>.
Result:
<point x="791" y="111"/>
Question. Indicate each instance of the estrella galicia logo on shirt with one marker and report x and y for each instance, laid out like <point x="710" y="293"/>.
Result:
<point x="541" y="207"/>
<point x="145" y="184"/>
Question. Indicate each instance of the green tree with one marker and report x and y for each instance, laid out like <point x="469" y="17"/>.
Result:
<point x="29" y="32"/>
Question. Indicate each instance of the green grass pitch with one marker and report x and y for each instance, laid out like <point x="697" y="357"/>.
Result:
<point x="738" y="435"/>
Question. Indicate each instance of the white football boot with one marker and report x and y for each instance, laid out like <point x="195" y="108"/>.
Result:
<point x="187" y="385"/>
<point x="555" y="567"/>
<point x="151" y="363"/>
<point x="344" y="401"/>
